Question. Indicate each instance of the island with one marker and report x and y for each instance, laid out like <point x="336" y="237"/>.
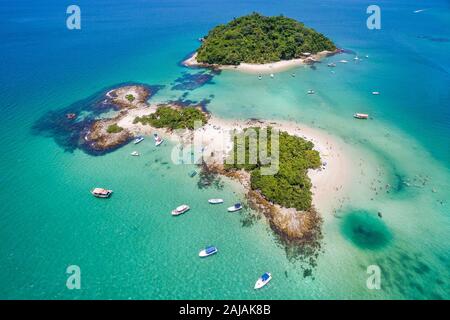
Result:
<point x="310" y="163"/>
<point x="256" y="43"/>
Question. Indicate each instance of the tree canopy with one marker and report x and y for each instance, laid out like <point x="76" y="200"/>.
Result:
<point x="290" y="187"/>
<point x="259" y="39"/>
<point x="173" y="118"/>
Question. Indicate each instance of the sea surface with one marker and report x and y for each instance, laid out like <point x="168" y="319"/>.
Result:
<point x="130" y="247"/>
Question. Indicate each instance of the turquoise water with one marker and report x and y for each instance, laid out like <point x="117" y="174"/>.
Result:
<point x="130" y="246"/>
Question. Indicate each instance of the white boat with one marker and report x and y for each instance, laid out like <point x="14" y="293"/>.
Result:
<point x="208" y="251"/>
<point x="375" y="93"/>
<point x="331" y="65"/>
<point x="343" y="61"/>
<point x="158" y="140"/>
<point x="215" y="201"/>
<point x="135" y="153"/>
<point x="263" y="280"/>
<point x="180" y="209"/>
<point x="272" y="75"/>
<point x="259" y="77"/>
<point x="356" y="58"/>
<point x="138" y="139"/>
<point x="234" y="208"/>
<point x="311" y="92"/>
<point x="101" y="193"/>
<point x="361" y="116"/>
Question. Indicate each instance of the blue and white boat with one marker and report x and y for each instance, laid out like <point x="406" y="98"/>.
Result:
<point x="138" y="139"/>
<point x="263" y="280"/>
<point x="208" y="251"/>
<point x="234" y="208"/>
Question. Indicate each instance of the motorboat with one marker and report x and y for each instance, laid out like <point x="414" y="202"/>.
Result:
<point x="135" y="154"/>
<point x="361" y="116"/>
<point x="138" y="139"/>
<point x="331" y="65"/>
<point x="375" y="93"/>
<point x="180" y="210"/>
<point x="101" y="193"/>
<point x="208" y="251"/>
<point x="259" y="77"/>
<point x="158" y="139"/>
<point x="215" y="201"/>
<point x="71" y="116"/>
<point x="192" y="173"/>
<point x="311" y="92"/>
<point x="263" y="280"/>
<point x="272" y="75"/>
<point x="343" y="61"/>
<point x="234" y="208"/>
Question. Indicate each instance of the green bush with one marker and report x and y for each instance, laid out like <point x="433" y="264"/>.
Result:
<point x="258" y="39"/>
<point x="114" y="128"/>
<point x="130" y="97"/>
<point x="168" y="117"/>
<point x="290" y="187"/>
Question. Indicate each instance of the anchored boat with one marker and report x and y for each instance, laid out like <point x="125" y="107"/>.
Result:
<point x="263" y="280"/>
<point x="138" y="139"/>
<point x="361" y="116"/>
<point x="234" y="208"/>
<point x="208" y="251"/>
<point x="180" y="210"/>
<point x="135" y="153"/>
<point x="311" y="92"/>
<point x="215" y="201"/>
<point x="158" y="139"/>
<point x="101" y="193"/>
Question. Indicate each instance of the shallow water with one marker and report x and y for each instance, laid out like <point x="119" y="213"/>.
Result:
<point x="130" y="247"/>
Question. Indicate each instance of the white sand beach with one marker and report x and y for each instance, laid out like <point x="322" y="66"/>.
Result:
<point x="266" y="68"/>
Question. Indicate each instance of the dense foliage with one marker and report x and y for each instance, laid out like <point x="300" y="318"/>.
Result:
<point x="130" y="97"/>
<point x="258" y="39"/>
<point x="173" y="118"/>
<point x="290" y="187"/>
<point x="114" y="128"/>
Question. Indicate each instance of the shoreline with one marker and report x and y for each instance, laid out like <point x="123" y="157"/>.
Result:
<point x="215" y="141"/>
<point x="266" y="68"/>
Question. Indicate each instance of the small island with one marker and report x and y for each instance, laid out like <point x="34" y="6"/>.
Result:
<point x="261" y="44"/>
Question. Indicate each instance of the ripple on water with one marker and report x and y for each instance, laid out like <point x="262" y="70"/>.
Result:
<point x="365" y="230"/>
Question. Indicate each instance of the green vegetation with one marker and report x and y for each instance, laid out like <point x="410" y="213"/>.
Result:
<point x="130" y="97"/>
<point x="290" y="186"/>
<point x="173" y="118"/>
<point x="258" y="39"/>
<point x="114" y="128"/>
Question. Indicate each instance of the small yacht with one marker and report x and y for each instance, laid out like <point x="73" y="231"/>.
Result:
<point x="331" y="65"/>
<point x="234" y="208"/>
<point x="135" y="154"/>
<point x="180" y="210"/>
<point x="158" y="139"/>
<point x="215" y="201"/>
<point x="101" y="193"/>
<point x="311" y="92"/>
<point x="208" y="251"/>
<point x="138" y="139"/>
<point x="263" y="280"/>
<point x="375" y="93"/>
<point x="343" y="61"/>
<point x="361" y="116"/>
<point x="356" y="58"/>
<point x="259" y="77"/>
<point x="272" y="75"/>
<point x="293" y="75"/>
